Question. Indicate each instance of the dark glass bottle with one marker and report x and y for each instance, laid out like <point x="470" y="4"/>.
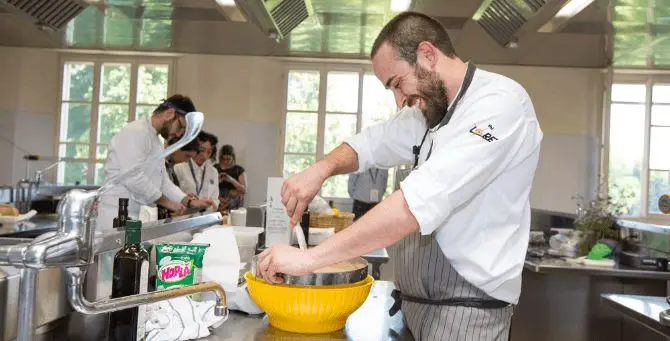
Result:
<point x="121" y="219"/>
<point x="130" y="277"/>
<point x="304" y="224"/>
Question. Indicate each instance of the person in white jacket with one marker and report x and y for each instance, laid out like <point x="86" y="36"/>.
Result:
<point x="460" y="222"/>
<point x="136" y="142"/>
<point x="197" y="175"/>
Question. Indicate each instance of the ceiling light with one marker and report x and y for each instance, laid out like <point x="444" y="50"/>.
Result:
<point x="572" y="7"/>
<point x="226" y="3"/>
<point x="400" y="5"/>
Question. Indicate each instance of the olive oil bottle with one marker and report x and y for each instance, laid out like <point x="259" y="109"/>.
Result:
<point x="119" y="222"/>
<point x="130" y="277"/>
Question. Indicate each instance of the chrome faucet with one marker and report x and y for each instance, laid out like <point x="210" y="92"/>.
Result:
<point x="75" y="244"/>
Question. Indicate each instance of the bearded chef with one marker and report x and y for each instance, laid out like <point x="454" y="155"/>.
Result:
<point x="460" y="221"/>
<point x="133" y="144"/>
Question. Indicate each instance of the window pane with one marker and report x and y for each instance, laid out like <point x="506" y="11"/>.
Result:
<point x="342" y="92"/>
<point x="306" y="37"/>
<point x="297" y="163"/>
<point x="303" y="90"/>
<point x="301" y="132"/>
<point x="100" y="175"/>
<point x="83" y="29"/>
<point x="142" y="111"/>
<point x="335" y="187"/>
<point x="378" y="102"/>
<point x="373" y="25"/>
<point x="629" y="93"/>
<point x="660" y="114"/>
<point x="112" y="118"/>
<point x="659" y="184"/>
<point x="630" y="49"/>
<point x="625" y="154"/>
<point x="659" y="140"/>
<point x="338" y="128"/>
<point x="74" y="173"/>
<point x="660" y="93"/>
<point x="78" y="82"/>
<point x="344" y="33"/>
<point x="101" y="153"/>
<point x="115" y="83"/>
<point x="156" y="33"/>
<point x="79" y="151"/>
<point x="152" y="83"/>
<point x="118" y="28"/>
<point x="75" y="122"/>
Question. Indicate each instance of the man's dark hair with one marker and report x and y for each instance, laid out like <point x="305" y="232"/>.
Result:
<point x="189" y="147"/>
<point x="204" y="136"/>
<point x="182" y="104"/>
<point x="407" y="30"/>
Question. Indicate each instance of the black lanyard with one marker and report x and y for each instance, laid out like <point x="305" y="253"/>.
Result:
<point x="469" y="74"/>
<point x="202" y="178"/>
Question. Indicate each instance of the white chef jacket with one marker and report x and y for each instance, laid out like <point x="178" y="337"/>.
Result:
<point x="472" y="194"/>
<point x="135" y="143"/>
<point x="210" y="187"/>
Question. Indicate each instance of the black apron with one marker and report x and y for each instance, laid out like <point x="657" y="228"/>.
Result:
<point x="437" y="303"/>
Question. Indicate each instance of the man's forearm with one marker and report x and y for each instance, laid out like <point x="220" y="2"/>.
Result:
<point x="382" y="226"/>
<point x="342" y="160"/>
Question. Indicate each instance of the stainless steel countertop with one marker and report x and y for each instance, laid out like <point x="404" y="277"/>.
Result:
<point x="371" y="322"/>
<point x="642" y="309"/>
<point x="554" y="265"/>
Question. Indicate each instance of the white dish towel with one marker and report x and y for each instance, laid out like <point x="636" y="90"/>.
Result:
<point x="181" y="319"/>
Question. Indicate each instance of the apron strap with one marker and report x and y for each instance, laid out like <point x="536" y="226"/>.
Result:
<point x="471" y="302"/>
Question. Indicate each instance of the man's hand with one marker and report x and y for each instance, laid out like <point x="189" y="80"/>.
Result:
<point x="284" y="259"/>
<point x="173" y="206"/>
<point x="299" y="190"/>
<point x="203" y="204"/>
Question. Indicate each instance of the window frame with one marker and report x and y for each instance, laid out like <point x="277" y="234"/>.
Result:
<point x="98" y="60"/>
<point x="353" y="66"/>
<point x="633" y="76"/>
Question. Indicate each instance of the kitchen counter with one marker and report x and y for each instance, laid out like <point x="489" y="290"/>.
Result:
<point x="644" y="310"/>
<point x="555" y="265"/>
<point x="35" y="226"/>
<point x="371" y="322"/>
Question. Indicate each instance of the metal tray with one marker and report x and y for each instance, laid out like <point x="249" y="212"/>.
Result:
<point x="358" y="272"/>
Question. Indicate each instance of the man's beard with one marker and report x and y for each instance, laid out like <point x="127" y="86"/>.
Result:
<point x="165" y="131"/>
<point x="432" y="90"/>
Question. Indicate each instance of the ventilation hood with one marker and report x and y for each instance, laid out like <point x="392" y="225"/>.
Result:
<point x="276" y="18"/>
<point x="506" y="21"/>
<point x="50" y="14"/>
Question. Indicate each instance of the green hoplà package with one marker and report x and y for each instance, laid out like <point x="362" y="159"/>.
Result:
<point x="179" y="264"/>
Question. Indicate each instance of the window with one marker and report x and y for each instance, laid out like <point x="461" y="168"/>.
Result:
<point x="640" y="36"/>
<point x="123" y="24"/>
<point x="323" y="108"/>
<point x="97" y="101"/>
<point x="639" y="131"/>
<point x="348" y="28"/>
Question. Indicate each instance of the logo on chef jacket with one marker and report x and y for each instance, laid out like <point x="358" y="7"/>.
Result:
<point x="484" y="133"/>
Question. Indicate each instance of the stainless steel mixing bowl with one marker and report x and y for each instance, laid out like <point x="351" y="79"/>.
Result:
<point x="356" y="273"/>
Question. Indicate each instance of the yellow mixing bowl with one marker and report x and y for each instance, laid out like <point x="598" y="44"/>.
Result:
<point x="308" y="309"/>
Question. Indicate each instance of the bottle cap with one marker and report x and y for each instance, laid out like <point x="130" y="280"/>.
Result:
<point x="123" y="201"/>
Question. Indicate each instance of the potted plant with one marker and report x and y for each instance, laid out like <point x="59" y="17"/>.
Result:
<point x="598" y="221"/>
